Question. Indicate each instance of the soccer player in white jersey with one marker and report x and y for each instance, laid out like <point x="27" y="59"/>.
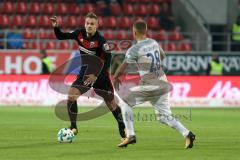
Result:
<point x="153" y="87"/>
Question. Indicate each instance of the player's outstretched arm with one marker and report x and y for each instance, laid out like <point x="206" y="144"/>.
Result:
<point x="58" y="32"/>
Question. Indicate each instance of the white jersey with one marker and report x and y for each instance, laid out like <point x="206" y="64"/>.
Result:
<point x="147" y="55"/>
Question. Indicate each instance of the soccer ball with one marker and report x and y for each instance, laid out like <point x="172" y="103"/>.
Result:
<point x="65" y="135"/>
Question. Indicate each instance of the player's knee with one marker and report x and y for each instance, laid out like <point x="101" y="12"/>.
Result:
<point x="72" y="98"/>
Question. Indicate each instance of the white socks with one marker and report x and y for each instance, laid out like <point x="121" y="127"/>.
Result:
<point x="172" y="122"/>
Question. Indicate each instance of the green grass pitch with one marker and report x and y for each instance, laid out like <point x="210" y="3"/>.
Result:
<point x="30" y="133"/>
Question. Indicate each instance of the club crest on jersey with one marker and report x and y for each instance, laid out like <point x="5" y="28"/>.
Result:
<point x="106" y="47"/>
<point x="92" y="44"/>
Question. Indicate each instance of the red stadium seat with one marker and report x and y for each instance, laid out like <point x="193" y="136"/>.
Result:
<point x="50" y="45"/>
<point x="80" y="21"/>
<point x="124" y="22"/>
<point x="35" y="8"/>
<point x="37" y="45"/>
<point x="128" y="9"/>
<point x="44" y="21"/>
<point x="110" y="22"/>
<point x="154" y="9"/>
<point x="42" y="34"/>
<point x="132" y="1"/>
<point x="75" y="46"/>
<point x="158" y="35"/>
<point x="116" y="9"/>
<point x="87" y="8"/>
<point x="141" y="9"/>
<point x="27" y="45"/>
<point x="109" y="34"/>
<point x="63" y="45"/>
<point x="170" y="47"/>
<point x="175" y="36"/>
<point x="7" y="8"/>
<point x="31" y="21"/>
<point x="74" y="9"/>
<point x="29" y="34"/>
<point x="51" y="35"/>
<point x="185" y="47"/>
<point x="72" y="21"/>
<point x="122" y="35"/>
<point x="158" y="1"/>
<point x="62" y="8"/>
<point x="21" y="7"/>
<point x="144" y="1"/>
<point x="18" y="21"/>
<point x="153" y="23"/>
<point x="48" y="8"/>
<point x="4" y="21"/>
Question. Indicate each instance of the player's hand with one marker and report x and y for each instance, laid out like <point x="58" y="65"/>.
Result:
<point x="91" y="79"/>
<point x="54" y="21"/>
<point x="116" y="83"/>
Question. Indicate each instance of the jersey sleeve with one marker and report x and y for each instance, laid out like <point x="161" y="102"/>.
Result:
<point x="162" y="53"/>
<point x="105" y="55"/>
<point x="131" y="55"/>
<point x="66" y="35"/>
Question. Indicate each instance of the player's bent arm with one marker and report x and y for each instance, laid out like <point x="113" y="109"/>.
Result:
<point x="120" y="70"/>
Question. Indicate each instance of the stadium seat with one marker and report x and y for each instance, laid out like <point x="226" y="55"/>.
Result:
<point x="153" y="23"/>
<point x="122" y="35"/>
<point x="144" y="1"/>
<point x="75" y="46"/>
<point x="175" y="36"/>
<point x="31" y="21"/>
<point x="44" y="21"/>
<point x="51" y="35"/>
<point x="116" y="9"/>
<point x="128" y="9"/>
<point x="48" y="8"/>
<point x="161" y="35"/>
<point x="140" y="9"/>
<point x="80" y="21"/>
<point x="42" y="34"/>
<point x="132" y="1"/>
<point x="158" y="1"/>
<point x="4" y="21"/>
<point x="35" y="8"/>
<point x="109" y="34"/>
<point x="74" y="9"/>
<point x="50" y="45"/>
<point x="110" y="22"/>
<point x="62" y="8"/>
<point x="87" y="8"/>
<point x="71" y="21"/>
<point x="154" y="9"/>
<point x="7" y="8"/>
<point x="18" y="21"/>
<point x="21" y="8"/>
<point x="63" y="45"/>
<point x="29" y="34"/>
<point x="37" y="45"/>
<point x="185" y="47"/>
<point x="124" y="22"/>
<point x="170" y="47"/>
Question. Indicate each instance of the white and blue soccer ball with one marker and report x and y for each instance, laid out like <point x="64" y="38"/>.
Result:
<point x="65" y="135"/>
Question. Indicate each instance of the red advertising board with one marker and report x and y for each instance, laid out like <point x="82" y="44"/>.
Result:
<point x="29" y="62"/>
<point x="202" y="91"/>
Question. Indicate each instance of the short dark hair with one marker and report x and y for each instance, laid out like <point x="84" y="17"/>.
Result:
<point x="140" y="26"/>
<point x="91" y="15"/>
